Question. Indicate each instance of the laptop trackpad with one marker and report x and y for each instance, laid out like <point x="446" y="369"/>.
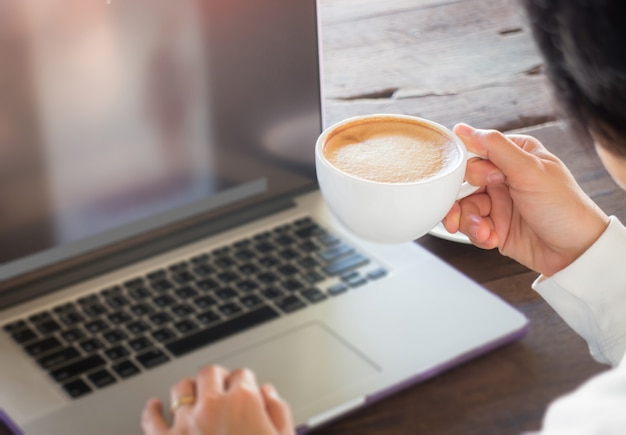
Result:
<point x="305" y="364"/>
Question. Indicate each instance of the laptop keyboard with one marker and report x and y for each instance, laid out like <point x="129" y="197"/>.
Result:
<point x="115" y="333"/>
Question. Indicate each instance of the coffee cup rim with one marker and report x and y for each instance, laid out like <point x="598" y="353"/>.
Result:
<point x="323" y="138"/>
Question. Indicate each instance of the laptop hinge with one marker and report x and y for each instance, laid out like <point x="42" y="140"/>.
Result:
<point x="30" y="287"/>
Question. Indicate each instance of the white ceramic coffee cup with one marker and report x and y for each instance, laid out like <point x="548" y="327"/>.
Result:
<point x="391" y="212"/>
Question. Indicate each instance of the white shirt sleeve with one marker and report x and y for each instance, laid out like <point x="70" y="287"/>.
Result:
<point x="590" y="295"/>
<point x="596" y="407"/>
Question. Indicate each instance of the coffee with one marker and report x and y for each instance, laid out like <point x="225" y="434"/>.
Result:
<point x="391" y="150"/>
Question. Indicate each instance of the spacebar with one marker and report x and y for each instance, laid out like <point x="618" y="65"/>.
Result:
<point x="223" y="330"/>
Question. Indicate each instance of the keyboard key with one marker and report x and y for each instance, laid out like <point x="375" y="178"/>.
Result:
<point x="164" y="301"/>
<point x="14" y="326"/>
<point x="290" y="304"/>
<point x="119" y="317"/>
<point x="40" y="317"/>
<point x="162" y="285"/>
<point x="152" y="358"/>
<point x="94" y="309"/>
<point x="91" y="345"/>
<point x="208" y="317"/>
<point x="142" y="309"/>
<point x="226" y="293"/>
<point x="251" y="301"/>
<point x="245" y="254"/>
<point x="140" y="343"/>
<point x="228" y="277"/>
<point x="204" y="301"/>
<point x="62" y="356"/>
<point x="23" y="336"/>
<point x="356" y="281"/>
<point x="224" y="262"/>
<point x="272" y="292"/>
<point x="287" y="270"/>
<point x="77" y="368"/>
<point x="248" y="269"/>
<point x="220" y="331"/>
<point x="337" y="289"/>
<point x="377" y="273"/>
<point x="247" y="285"/>
<point x="185" y="326"/>
<point x="125" y="369"/>
<point x="117" y="301"/>
<point x="186" y="292"/>
<point x="70" y="318"/>
<point x="203" y="270"/>
<point x="183" y="310"/>
<point x="96" y="326"/>
<point x="101" y="378"/>
<point x="267" y="277"/>
<point x="73" y="334"/>
<point x="42" y="346"/>
<point x="116" y="290"/>
<point x="159" y="319"/>
<point x="345" y="264"/>
<point x="335" y="252"/>
<point x="139" y="293"/>
<point x="48" y="327"/>
<point x="77" y="388"/>
<point x="183" y="277"/>
<point x="137" y="327"/>
<point x="207" y="284"/>
<point x="313" y="277"/>
<point x="229" y="309"/>
<point x="268" y="261"/>
<point x="116" y="353"/>
<point x="292" y="285"/>
<point x="163" y="334"/>
<point x="114" y="336"/>
<point x="313" y="295"/>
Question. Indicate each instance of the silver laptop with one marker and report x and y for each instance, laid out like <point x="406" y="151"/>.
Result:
<point x="159" y="213"/>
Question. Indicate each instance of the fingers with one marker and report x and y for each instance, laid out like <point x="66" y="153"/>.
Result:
<point x="511" y="154"/>
<point x="242" y="378"/>
<point x="277" y="409"/>
<point x="153" y="421"/>
<point x="474" y="221"/>
<point x="182" y="398"/>
<point x="211" y="381"/>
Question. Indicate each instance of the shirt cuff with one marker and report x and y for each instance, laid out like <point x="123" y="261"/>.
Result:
<point x="590" y="294"/>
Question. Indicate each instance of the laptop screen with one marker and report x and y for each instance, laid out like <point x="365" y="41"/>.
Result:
<point x="122" y="117"/>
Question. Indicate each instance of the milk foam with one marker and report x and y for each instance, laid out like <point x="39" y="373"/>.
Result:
<point x="392" y="152"/>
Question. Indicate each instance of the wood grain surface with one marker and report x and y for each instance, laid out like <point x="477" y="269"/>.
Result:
<point x="468" y="61"/>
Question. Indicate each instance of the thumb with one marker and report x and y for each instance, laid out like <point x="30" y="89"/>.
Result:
<point x="277" y="409"/>
<point x="152" y="420"/>
<point x="512" y="154"/>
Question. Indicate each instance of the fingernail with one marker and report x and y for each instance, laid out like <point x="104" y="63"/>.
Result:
<point x="464" y="129"/>
<point x="495" y="178"/>
<point x="474" y="227"/>
<point x="270" y="390"/>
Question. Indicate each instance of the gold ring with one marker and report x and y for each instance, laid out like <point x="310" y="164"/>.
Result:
<point x="182" y="400"/>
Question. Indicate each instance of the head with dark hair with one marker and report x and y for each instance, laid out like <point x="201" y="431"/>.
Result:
<point x="583" y="43"/>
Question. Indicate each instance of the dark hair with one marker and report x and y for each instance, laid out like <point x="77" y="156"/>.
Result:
<point x="583" y="43"/>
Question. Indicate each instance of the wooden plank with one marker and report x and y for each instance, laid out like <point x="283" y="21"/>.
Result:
<point x="468" y="60"/>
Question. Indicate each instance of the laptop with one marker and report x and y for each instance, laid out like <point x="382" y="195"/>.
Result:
<point x="159" y="213"/>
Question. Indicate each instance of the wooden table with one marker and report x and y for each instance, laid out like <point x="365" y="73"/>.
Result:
<point x="471" y="61"/>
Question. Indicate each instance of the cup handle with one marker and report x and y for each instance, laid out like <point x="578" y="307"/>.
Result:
<point x="466" y="188"/>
